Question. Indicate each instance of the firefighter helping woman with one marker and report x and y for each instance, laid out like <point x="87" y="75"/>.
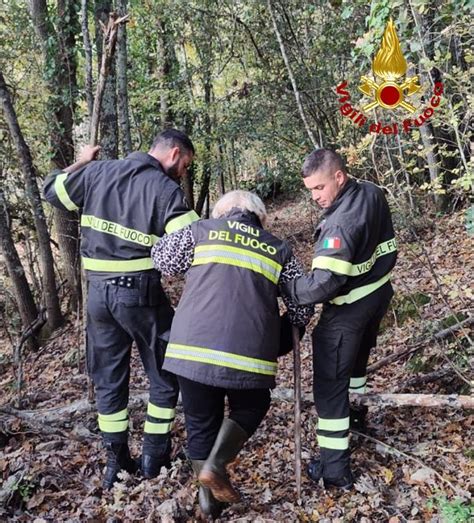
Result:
<point x="227" y="333"/>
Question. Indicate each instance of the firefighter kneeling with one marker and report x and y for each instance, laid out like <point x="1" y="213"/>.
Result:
<point x="224" y="340"/>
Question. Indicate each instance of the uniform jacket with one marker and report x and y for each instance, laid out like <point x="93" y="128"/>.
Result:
<point x="355" y="249"/>
<point x="126" y="206"/>
<point x="225" y="332"/>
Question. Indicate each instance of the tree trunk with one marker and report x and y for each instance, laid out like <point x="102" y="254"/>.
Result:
<point x="21" y="288"/>
<point x="188" y="183"/>
<point x="430" y="145"/>
<point x="296" y="92"/>
<point x="108" y="119"/>
<point x="122" y="89"/>
<point x="89" y="87"/>
<point x="58" y="48"/>
<point x="46" y="256"/>
<point x="220" y="169"/>
<point x="206" y="169"/>
<point x="166" y="60"/>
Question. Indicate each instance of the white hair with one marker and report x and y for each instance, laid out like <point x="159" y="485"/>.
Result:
<point x="243" y="200"/>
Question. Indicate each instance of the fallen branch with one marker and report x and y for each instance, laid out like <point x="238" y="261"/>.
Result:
<point x="413" y="348"/>
<point x="454" y="401"/>
<point x="77" y="408"/>
<point x="42" y="417"/>
<point x="391" y="400"/>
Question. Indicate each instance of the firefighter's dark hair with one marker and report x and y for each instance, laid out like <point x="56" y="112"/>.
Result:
<point x="323" y="159"/>
<point x="173" y="138"/>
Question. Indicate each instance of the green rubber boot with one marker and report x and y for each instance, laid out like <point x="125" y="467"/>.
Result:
<point x="207" y="502"/>
<point x="213" y="475"/>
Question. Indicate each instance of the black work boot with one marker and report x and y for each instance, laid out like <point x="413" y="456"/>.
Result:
<point x="229" y="441"/>
<point x="153" y="458"/>
<point x="343" y="482"/>
<point x="357" y="418"/>
<point x="118" y="458"/>
<point x="209" y="505"/>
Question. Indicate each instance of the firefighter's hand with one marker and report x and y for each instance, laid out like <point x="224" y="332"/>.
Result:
<point x="88" y="153"/>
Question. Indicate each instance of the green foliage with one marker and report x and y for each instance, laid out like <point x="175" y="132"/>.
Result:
<point x="452" y="511"/>
<point x="24" y="489"/>
<point x="409" y="306"/>
<point x="248" y="125"/>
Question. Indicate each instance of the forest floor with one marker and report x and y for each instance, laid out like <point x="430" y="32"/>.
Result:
<point x="413" y="464"/>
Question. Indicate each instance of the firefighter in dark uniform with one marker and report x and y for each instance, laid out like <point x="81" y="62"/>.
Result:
<point x="126" y="206"/>
<point x="224" y="339"/>
<point x="354" y="254"/>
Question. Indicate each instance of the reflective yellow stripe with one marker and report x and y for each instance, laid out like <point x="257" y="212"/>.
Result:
<point x="117" y="416"/>
<point x="117" y="422"/>
<point x="175" y="224"/>
<point x="333" y="443"/>
<point x="113" y="426"/>
<point x="243" y="258"/>
<point x="160" y="412"/>
<point x="360" y="292"/>
<point x="238" y="250"/>
<point x="157" y="428"/>
<point x="62" y="194"/>
<point x="237" y="263"/>
<point x="333" y="424"/>
<point x="355" y="383"/>
<point x="221" y="359"/>
<point x="358" y="390"/>
<point x="115" y="229"/>
<point x="347" y="268"/>
<point x="332" y="264"/>
<point x="140" y="264"/>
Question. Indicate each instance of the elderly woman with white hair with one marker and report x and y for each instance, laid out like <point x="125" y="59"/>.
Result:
<point x="225" y="335"/>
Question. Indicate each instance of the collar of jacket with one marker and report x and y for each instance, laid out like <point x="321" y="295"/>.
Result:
<point x="146" y="159"/>
<point x="244" y="217"/>
<point x="350" y="187"/>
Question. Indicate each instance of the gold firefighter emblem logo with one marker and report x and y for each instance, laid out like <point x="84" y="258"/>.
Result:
<point x="389" y="64"/>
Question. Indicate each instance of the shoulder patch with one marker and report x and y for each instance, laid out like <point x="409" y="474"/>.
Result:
<point x="332" y="242"/>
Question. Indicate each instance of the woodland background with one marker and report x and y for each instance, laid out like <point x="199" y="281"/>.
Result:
<point x="253" y="84"/>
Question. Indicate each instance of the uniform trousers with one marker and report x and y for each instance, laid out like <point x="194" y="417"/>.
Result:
<point x="204" y="411"/>
<point x="342" y="341"/>
<point x="117" y="316"/>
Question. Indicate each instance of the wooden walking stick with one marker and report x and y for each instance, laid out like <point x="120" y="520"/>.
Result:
<point x="297" y="391"/>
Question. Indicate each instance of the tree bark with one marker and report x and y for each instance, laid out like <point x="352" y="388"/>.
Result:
<point x="89" y="87"/>
<point x="165" y="52"/>
<point x="430" y="145"/>
<point x="21" y="288"/>
<point x="122" y="88"/>
<point x="108" y="120"/>
<point x="58" y="49"/>
<point x="29" y="173"/>
<point x="454" y="401"/>
<point x="206" y="167"/>
<point x="188" y="189"/>
<point x="220" y="169"/>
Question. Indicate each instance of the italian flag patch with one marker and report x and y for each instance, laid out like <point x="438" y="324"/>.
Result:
<point x="332" y="243"/>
